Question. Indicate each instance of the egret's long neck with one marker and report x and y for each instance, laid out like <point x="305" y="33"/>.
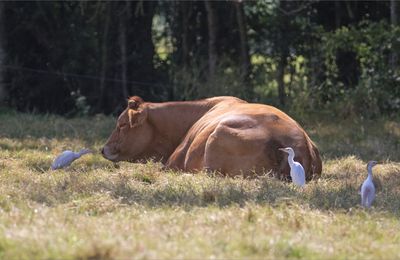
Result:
<point x="291" y="158"/>
<point x="82" y="152"/>
<point x="369" y="169"/>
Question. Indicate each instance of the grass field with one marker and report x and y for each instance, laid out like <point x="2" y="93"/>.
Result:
<point x="95" y="209"/>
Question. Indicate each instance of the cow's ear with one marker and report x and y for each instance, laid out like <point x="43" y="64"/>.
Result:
<point x="137" y="117"/>
<point x="134" y="102"/>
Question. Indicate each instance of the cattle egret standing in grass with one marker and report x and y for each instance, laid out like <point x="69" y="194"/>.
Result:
<point x="296" y="169"/>
<point x="368" y="187"/>
<point x="67" y="157"/>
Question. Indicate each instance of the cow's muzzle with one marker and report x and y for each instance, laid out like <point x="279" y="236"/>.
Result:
<point x="107" y="154"/>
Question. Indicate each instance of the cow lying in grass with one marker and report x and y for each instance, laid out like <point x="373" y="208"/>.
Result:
<point x="224" y="134"/>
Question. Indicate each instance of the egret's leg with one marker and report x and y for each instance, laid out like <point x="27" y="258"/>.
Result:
<point x="364" y="196"/>
<point x="370" y="199"/>
<point x="367" y="201"/>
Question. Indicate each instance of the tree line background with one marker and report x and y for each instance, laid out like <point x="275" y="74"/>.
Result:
<point x="79" y="58"/>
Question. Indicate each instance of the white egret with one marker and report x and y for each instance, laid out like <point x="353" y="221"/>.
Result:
<point x="67" y="157"/>
<point x="296" y="169"/>
<point x="368" y="187"/>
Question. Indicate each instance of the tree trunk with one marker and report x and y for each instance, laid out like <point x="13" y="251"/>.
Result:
<point x="212" y="38"/>
<point x="140" y="48"/>
<point x="2" y="54"/>
<point x="185" y="32"/>
<point x="394" y="22"/>
<point x="122" y="47"/>
<point x="350" y="12"/>
<point x="104" y="58"/>
<point x="393" y="12"/>
<point x="244" y="47"/>
<point x="337" y="14"/>
<point x="283" y="53"/>
<point x="281" y="74"/>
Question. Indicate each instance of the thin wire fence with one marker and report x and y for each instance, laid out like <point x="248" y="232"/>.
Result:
<point x="81" y="76"/>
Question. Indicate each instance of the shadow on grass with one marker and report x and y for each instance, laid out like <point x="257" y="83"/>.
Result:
<point x="275" y="194"/>
<point x="44" y="144"/>
<point x="187" y="192"/>
<point x="22" y="125"/>
<point x="377" y="139"/>
<point x="191" y="191"/>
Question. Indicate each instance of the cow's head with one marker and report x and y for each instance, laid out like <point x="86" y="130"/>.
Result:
<point x="132" y="135"/>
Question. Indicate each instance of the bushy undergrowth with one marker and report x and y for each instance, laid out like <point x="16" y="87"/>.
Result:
<point x="94" y="209"/>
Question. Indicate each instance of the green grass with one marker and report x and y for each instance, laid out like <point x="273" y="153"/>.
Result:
<point x="95" y="210"/>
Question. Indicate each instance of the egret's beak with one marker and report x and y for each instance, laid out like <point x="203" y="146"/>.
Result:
<point x="282" y="149"/>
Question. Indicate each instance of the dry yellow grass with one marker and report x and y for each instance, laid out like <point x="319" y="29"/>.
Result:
<point x="95" y="210"/>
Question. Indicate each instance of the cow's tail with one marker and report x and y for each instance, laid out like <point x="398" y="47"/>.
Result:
<point x="315" y="164"/>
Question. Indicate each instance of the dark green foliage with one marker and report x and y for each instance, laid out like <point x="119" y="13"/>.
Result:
<point x="80" y="58"/>
<point x="60" y="54"/>
<point x="375" y="91"/>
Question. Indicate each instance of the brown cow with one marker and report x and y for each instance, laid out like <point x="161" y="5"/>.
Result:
<point x="224" y="134"/>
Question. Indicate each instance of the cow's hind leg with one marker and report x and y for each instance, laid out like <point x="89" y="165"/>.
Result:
<point x="231" y="152"/>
